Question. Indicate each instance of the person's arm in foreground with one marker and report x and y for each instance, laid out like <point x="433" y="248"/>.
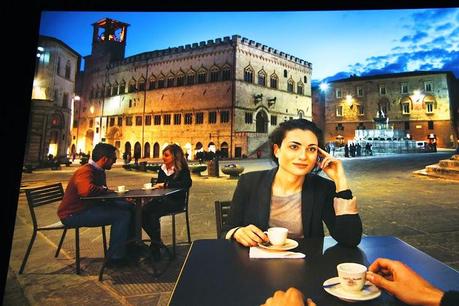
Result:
<point x="401" y="281"/>
<point x="291" y="297"/>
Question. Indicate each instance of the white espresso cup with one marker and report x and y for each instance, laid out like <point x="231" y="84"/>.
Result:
<point x="277" y="235"/>
<point x="352" y="276"/>
<point x="147" y="186"/>
<point x="121" y="188"/>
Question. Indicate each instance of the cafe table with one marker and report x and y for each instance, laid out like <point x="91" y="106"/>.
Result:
<point x="138" y="195"/>
<point x="220" y="272"/>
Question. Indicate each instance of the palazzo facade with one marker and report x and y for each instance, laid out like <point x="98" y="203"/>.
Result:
<point x="225" y="94"/>
<point x="423" y="104"/>
<point x="50" y="119"/>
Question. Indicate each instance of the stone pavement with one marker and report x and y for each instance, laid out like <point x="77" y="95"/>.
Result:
<point x="421" y="211"/>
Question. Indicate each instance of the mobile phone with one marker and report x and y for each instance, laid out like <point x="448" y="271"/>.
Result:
<point x="319" y="158"/>
<point x="317" y="168"/>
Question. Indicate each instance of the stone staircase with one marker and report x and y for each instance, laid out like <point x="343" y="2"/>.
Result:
<point x="255" y="142"/>
<point x="446" y="168"/>
<point x="265" y="151"/>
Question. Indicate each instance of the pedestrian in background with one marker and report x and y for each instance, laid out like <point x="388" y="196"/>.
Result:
<point x="346" y="150"/>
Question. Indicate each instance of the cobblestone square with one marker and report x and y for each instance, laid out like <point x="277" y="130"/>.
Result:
<point x="422" y="211"/>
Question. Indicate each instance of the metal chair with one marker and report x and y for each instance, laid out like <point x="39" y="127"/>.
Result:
<point x="185" y="210"/>
<point x="45" y="195"/>
<point x="222" y="209"/>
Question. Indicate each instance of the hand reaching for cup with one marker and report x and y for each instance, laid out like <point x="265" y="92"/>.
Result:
<point x="250" y="235"/>
<point x="401" y="281"/>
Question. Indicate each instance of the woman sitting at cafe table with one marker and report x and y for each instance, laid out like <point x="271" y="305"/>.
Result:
<point x="174" y="173"/>
<point x="293" y="195"/>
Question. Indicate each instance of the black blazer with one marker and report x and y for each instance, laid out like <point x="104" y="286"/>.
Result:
<point x="251" y="204"/>
<point x="183" y="180"/>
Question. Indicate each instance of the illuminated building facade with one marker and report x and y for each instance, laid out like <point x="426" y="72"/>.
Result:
<point x="224" y="94"/>
<point x="52" y="101"/>
<point x="424" y="104"/>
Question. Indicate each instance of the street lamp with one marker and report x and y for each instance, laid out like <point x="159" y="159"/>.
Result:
<point x="77" y="99"/>
<point x="323" y="86"/>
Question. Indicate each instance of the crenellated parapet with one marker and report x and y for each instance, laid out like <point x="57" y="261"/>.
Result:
<point x="174" y="50"/>
<point x="259" y="46"/>
<point x="233" y="40"/>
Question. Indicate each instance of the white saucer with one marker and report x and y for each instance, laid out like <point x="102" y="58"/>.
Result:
<point x="288" y="245"/>
<point x="147" y="188"/>
<point x="122" y="191"/>
<point x="369" y="292"/>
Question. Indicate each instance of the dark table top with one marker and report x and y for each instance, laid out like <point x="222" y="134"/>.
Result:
<point x="220" y="272"/>
<point x="134" y="193"/>
<point x="137" y="195"/>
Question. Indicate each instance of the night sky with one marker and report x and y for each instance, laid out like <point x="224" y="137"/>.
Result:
<point x="337" y="43"/>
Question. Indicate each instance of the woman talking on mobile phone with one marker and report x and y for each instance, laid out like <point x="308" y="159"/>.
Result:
<point x="293" y="195"/>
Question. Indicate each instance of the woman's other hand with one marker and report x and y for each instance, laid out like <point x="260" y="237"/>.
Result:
<point x="334" y="169"/>
<point x="250" y="235"/>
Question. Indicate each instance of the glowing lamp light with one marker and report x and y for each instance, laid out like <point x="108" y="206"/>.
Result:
<point x="349" y="99"/>
<point x="417" y="96"/>
<point x="323" y="86"/>
<point x="40" y="52"/>
<point x="91" y="109"/>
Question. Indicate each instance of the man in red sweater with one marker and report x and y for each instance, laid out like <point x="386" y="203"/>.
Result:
<point x="90" y="180"/>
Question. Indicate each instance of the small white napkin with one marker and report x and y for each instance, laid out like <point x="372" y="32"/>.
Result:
<point x="257" y="252"/>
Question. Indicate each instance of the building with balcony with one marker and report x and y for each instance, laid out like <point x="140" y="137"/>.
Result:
<point x="225" y="94"/>
<point x="423" y="104"/>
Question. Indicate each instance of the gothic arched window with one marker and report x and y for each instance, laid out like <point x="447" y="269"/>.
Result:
<point x="248" y="74"/>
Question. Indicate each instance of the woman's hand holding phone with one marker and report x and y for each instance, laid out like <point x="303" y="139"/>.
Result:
<point x="333" y="168"/>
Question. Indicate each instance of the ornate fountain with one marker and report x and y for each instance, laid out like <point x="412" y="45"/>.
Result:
<point x="384" y="138"/>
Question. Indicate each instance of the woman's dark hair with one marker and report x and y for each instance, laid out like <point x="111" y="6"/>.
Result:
<point x="278" y="135"/>
<point x="179" y="158"/>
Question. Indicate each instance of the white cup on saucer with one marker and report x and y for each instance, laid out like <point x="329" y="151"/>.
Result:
<point x="121" y="188"/>
<point x="147" y="186"/>
<point x="277" y="235"/>
<point x="352" y="276"/>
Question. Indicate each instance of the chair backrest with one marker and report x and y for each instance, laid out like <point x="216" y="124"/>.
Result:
<point x="222" y="209"/>
<point x="187" y="197"/>
<point x="42" y="195"/>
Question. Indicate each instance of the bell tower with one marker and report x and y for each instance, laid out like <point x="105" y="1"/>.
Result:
<point x="108" y="42"/>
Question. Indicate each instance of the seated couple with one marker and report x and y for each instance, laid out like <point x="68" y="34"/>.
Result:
<point x="90" y="180"/>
